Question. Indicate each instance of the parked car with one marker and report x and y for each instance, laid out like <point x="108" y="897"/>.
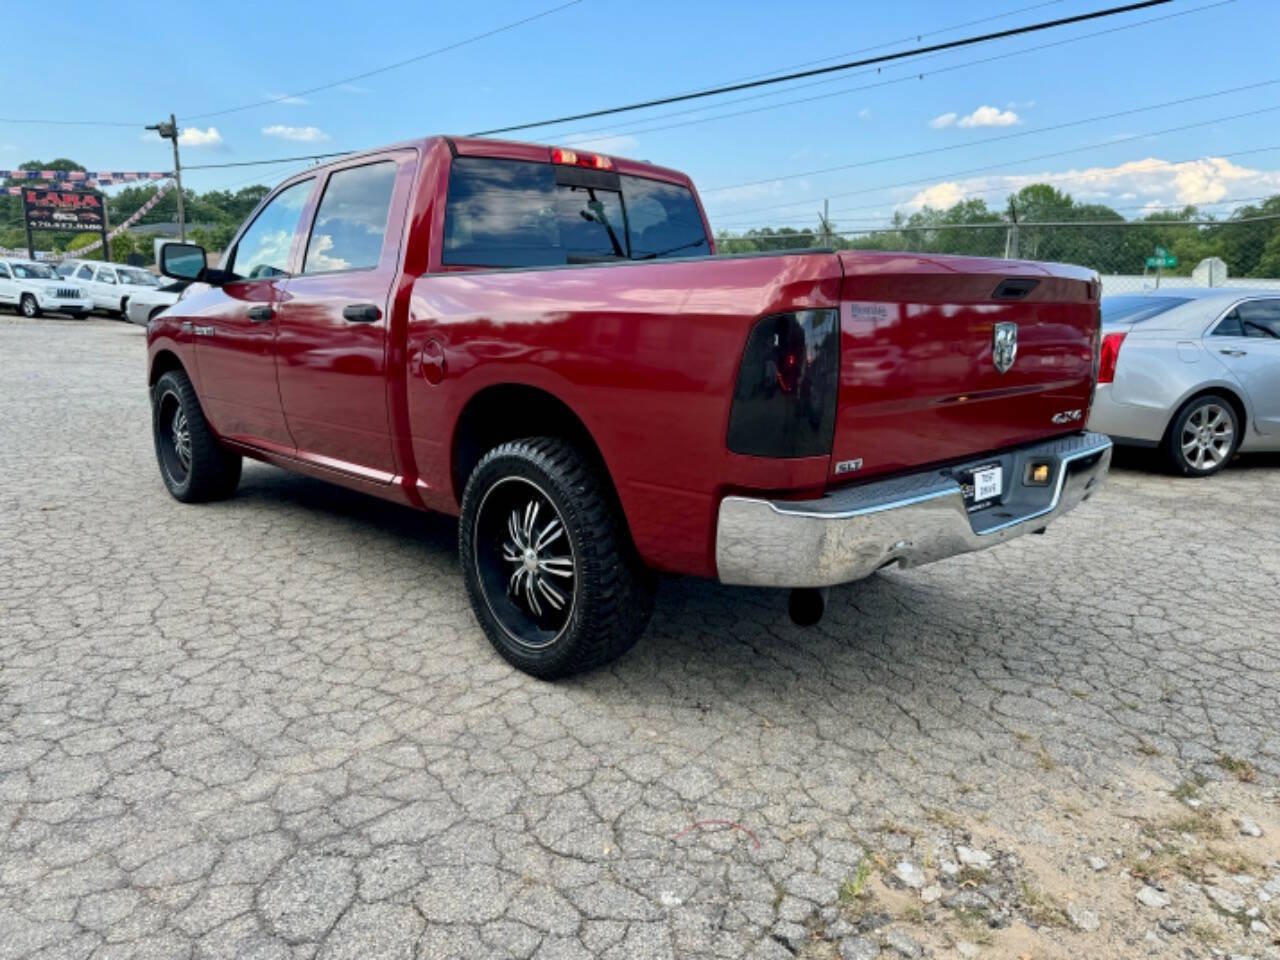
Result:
<point x="33" y="288"/>
<point x="1193" y="371"/>
<point x="536" y="340"/>
<point x="109" y="284"/>
<point x="149" y="303"/>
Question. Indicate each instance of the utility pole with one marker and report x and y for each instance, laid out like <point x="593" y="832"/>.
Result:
<point x="1011" y="238"/>
<point x="169" y="131"/>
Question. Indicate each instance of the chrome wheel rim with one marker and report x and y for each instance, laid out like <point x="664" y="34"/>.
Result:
<point x="525" y="562"/>
<point x="173" y="437"/>
<point x="1207" y="436"/>
<point x="28" y="307"/>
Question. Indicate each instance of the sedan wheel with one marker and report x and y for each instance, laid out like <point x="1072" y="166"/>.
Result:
<point x="29" y="307"/>
<point x="1204" y="436"/>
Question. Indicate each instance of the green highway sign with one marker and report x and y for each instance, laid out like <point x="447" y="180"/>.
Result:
<point x="1162" y="260"/>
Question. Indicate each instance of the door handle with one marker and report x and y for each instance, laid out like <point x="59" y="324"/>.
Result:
<point x="261" y="313"/>
<point x="361" y="313"/>
<point x="1234" y="353"/>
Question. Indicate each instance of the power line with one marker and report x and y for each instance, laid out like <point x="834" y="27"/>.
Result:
<point x="817" y="71"/>
<point x="391" y="66"/>
<point x="989" y="140"/>
<point x="70" y="123"/>
<point x="1054" y="178"/>
<point x="913" y="38"/>
<point x="1043" y="156"/>
<point x="262" y="163"/>
<point x="580" y="136"/>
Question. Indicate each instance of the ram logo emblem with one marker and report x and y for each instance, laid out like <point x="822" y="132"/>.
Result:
<point x="1004" y="345"/>
<point x="1067" y="416"/>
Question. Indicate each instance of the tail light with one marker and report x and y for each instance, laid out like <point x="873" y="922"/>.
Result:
<point x="784" y="404"/>
<point x="1109" y="355"/>
<point x="576" y="158"/>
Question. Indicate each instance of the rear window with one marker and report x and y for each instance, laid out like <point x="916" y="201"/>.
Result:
<point x="1135" y="309"/>
<point x="513" y="213"/>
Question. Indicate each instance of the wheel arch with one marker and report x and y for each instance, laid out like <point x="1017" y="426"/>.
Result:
<point x="164" y="361"/>
<point x="509" y="411"/>
<point x="1230" y="393"/>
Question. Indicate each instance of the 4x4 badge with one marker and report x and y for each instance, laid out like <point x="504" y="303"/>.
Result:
<point x="1004" y="345"/>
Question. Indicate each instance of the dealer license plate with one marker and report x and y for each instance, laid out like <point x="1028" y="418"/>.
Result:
<point x="987" y="484"/>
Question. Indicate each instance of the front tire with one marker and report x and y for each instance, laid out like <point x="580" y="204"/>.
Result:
<point x="549" y="566"/>
<point x="1203" y="437"/>
<point x="193" y="464"/>
<point x="124" y="307"/>
<point x="28" y="307"/>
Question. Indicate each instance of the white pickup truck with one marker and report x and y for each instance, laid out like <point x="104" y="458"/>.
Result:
<point x="33" y="288"/>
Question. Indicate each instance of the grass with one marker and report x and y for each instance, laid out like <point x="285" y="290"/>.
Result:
<point x="1045" y="760"/>
<point x="1242" y="770"/>
<point x="854" y="888"/>
<point x="913" y="914"/>
<point x="972" y="876"/>
<point x="1199" y="823"/>
<point x="1148" y="749"/>
<point x="1043" y="909"/>
<point x="1187" y="790"/>
<point x="973" y="925"/>
<point x="943" y="818"/>
<point x="1209" y="936"/>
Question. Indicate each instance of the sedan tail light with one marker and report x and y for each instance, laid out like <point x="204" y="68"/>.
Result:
<point x="1110" y="354"/>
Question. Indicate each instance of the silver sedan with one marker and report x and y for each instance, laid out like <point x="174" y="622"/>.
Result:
<point x="1193" y="371"/>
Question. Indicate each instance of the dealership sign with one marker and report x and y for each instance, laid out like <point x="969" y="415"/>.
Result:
<point x="75" y="211"/>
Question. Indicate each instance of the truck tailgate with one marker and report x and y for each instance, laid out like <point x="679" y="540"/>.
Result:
<point x="919" y="378"/>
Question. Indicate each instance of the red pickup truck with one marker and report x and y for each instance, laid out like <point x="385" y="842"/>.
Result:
<point x="542" y="342"/>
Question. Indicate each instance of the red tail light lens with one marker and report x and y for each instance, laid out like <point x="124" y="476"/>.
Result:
<point x="575" y="158"/>
<point x="1110" y="354"/>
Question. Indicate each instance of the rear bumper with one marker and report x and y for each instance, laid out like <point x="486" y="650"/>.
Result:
<point x="1129" y="421"/>
<point x="911" y="520"/>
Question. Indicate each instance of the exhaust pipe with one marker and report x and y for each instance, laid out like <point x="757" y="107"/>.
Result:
<point x="806" y="605"/>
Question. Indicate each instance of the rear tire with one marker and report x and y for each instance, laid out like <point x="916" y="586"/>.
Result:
<point x="549" y="566"/>
<point x="28" y="307"/>
<point x="1203" y="436"/>
<point x="193" y="464"/>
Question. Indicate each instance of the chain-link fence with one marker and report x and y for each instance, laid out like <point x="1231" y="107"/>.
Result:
<point x="1130" y="255"/>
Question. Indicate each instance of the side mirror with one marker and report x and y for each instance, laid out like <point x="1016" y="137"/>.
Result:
<point x="183" y="261"/>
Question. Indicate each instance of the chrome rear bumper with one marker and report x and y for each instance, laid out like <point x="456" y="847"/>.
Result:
<point x="851" y="533"/>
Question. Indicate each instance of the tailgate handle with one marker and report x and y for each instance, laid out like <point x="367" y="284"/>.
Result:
<point x="1015" y="288"/>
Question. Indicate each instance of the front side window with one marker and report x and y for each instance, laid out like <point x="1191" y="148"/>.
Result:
<point x="4" y="272"/>
<point x="351" y="220"/>
<point x="515" y="213"/>
<point x="1260" y="318"/>
<point x="32" y="271"/>
<point x="86" y="273"/>
<point x="263" y="250"/>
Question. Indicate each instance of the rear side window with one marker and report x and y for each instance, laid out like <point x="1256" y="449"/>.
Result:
<point x="514" y="213"/>
<point x="351" y="221"/>
<point x="1260" y="318"/>
<point x="1135" y="309"/>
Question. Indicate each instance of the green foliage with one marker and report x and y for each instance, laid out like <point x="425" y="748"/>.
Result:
<point x="973" y="228"/>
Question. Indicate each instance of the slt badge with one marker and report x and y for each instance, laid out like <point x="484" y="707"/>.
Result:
<point x="1004" y="345"/>
<point x="1067" y="416"/>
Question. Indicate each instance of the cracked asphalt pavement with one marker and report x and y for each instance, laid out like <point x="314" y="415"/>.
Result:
<point x="270" y="727"/>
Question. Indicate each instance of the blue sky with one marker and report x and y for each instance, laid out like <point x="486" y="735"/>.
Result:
<point x="196" y="59"/>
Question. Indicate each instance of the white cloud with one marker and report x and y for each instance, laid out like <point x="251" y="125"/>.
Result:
<point x="986" y="116"/>
<point x="605" y="142"/>
<point x="195" y="137"/>
<point x="302" y="134"/>
<point x="1154" y="181"/>
<point x="288" y="98"/>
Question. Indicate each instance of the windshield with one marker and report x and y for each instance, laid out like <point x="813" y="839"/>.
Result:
<point x="32" y="271"/>
<point x="515" y="213"/>
<point x="138" y="278"/>
<point x="1135" y="309"/>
